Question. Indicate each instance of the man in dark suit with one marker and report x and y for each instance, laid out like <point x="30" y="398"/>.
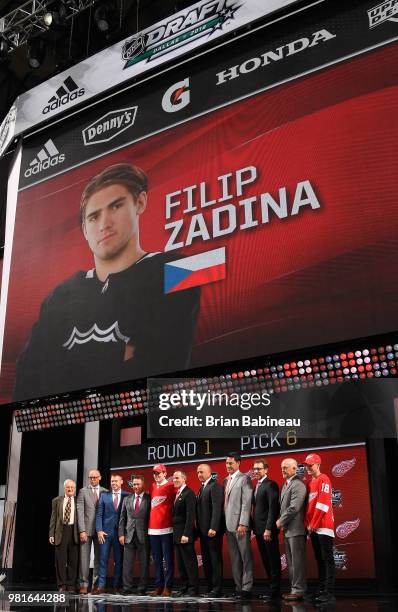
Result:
<point x="63" y="534"/>
<point x="210" y="526"/>
<point x="184" y="531"/>
<point x="265" y="515"/>
<point x="87" y="503"/>
<point x="133" y="535"/>
<point x="107" y="525"/>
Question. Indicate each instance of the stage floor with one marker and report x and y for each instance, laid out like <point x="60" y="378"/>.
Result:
<point x="121" y="603"/>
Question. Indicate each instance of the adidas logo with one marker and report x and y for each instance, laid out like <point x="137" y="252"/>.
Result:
<point x="47" y="157"/>
<point x="68" y="91"/>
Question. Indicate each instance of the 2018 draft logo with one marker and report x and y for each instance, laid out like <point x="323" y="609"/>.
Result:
<point x="190" y="25"/>
<point x="340" y="558"/>
<point x="383" y="12"/>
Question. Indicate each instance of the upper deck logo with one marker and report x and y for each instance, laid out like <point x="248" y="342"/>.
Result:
<point x="191" y="24"/>
<point x="383" y="12"/>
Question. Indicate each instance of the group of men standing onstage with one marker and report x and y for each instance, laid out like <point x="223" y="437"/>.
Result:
<point x="168" y="521"/>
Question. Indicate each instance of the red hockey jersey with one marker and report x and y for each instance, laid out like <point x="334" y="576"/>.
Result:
<point x="319" y="514"/>
<point x="161" y="516"/>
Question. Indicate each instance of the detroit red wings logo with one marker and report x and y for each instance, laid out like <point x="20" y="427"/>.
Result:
<point x="157" y="500"/>
<point x="343" y="467"/>
<point x="344" y="530"/>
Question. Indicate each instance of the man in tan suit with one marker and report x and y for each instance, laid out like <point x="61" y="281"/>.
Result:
<point x="63" y="534"/>
<point x="291" y="520"/>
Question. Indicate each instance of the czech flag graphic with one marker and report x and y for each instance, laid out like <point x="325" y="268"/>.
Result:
<point x="196" y="270"/>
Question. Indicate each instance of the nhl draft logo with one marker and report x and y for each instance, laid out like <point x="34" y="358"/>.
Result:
<point x="383" y="12"/>
<point x="345" y="529"/>
<point x="301" y="471"/>
<point x="337" y="497"/>
<point x="133" y="48"/>
<point x="130" y="481"/>
<point x="340" y="558"/>
<point x="189" y="25"/>
<point x="283" y="562"/>
<point x="340" y="469"/>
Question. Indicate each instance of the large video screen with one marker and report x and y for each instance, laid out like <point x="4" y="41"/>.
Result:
<point x="347" y="469"/>
<point x="265" y="225"/>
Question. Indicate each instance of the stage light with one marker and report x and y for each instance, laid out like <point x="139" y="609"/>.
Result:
<point x="103" y="17"/>
<point x="36" y="53"/>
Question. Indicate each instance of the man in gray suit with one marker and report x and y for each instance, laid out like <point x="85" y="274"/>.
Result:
<point x="133" y="535"/>
<point x="291" y="520"/>
<point x="87" y="502"/>
<point x="237" y="506"/>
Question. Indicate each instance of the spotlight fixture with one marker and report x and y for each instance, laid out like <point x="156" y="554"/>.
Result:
<point x="105" y="17"/>
<point x="55" y="19"/>
<point x="36" y="53"/>
<point x="4" y="48"/>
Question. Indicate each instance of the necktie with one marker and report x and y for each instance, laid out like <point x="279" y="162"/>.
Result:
<point x="137" y="504"/>
<point x="256" y="489"/>
<point x="115" y="500"/>
<point x="95" y="495"/>
<point x="68" y="509"/>
<point x="201" y="490"/>
<point x="227" y="489"/>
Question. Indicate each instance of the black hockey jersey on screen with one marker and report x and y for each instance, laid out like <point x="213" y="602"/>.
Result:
<point x="92" y="333"/>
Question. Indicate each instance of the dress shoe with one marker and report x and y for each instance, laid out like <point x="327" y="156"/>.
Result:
<point x="166" y="592"/>
<point x="269" y="596"/>
<point x="126" y="592"/>
<point x="325" y="598"/>
<point x="192" y="593"/>
<point x="62" y="588"/>
<point x="181" y="593"/>
<point x="292" y="597"/>
<point x="116" y="590"/>
<point x="100" y="590"/>
<point x="141" y="591"/>
<point x="245" y="595"/>
<point x="212" y="594"/>
<point x="83" y="590"/>
<point x="157" y="592"/>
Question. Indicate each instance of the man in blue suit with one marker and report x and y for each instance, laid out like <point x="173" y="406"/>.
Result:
<point x="107" y="524"/>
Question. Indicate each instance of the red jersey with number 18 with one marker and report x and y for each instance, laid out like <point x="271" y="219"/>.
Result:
<point x="319" y="515"/>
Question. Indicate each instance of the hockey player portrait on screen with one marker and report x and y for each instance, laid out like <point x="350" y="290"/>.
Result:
<point x="113" y="322"/>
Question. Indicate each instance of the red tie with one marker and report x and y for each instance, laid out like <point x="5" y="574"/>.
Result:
<point x="137" y="504"/>
<point x="115" y="501"/>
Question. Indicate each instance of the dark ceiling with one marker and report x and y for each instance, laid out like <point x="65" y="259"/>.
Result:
<point x="76" y="40"/>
